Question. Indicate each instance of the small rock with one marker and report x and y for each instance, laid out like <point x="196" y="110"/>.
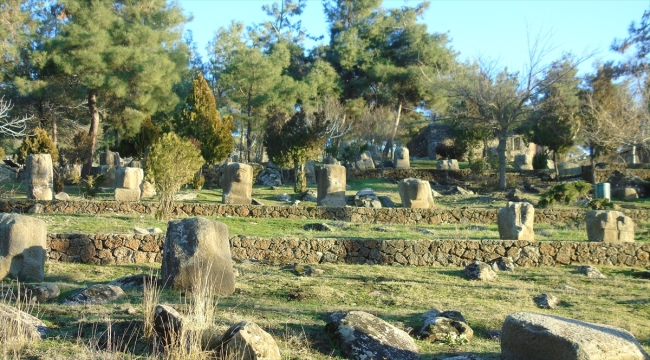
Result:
<point x="96" y="294"/>
<point x="568" y="288"/>
<point x="36" y="209"/>
<point x="443" y="326"/>
<point x="591" y="271"/>
<point x="386" y="202"/>
<point x="366" y="198"/>
<point x="308" y="195"/>
<point x="435" y="193"/>
<point x="43" y="292"/>
<point x="383" y="229"/>
<point x="282" y="197"/>
<point x="62" y="196"/>
<point x="274" y="188"/>
<point x="155" y="231"/>
<point x="479" y="271"/>
<point x="135" y="281"/>
<point x="462" y="191"/>
<point x="140" y="231"/>
<point x="307" y="270"/>
<point x="477" y="228"/>
<point x="317" y="227"/>
<point x="256" y="202"/>
<point x="340" y="224"/>
<point x="33" y="329"/>
<point x="504" y="263"/>
<point x="425" y="231"/>
<point x="547" y="301"/>
<point x="247" y="341"/>
<point x="296" y="203"/>
<point x="130" y="311"/>
<point x="493" y="334"/>
<point x="167" y="323"/>
<point x="185" y="196"/>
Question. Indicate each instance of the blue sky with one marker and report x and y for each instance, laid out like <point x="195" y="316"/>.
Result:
<point x="494" y="30"/>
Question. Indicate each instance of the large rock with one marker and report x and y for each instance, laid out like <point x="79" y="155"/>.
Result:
<point x="444" y="326"/>
<point x="367" y="198"/>
<point x="590" y="271"/>
<point x="524" y="162"/>
<point x="129" y="178"/>
<point x="40" y="177"/>
<point x="609" y="226"/>
<point x="533" y="336"/>
<point x="620" y="180"/>
<point x="626" y="193"/>
<point x="364" y="336"/>
<point x="310" y="172"/>
<point x="447" y="165"/>
<point x="365" y="162"/>
<point x="17" y="323"/>
<point x="516" y="220"/>
<point x="569" y="169"/>
<point x="197" y="249"/>
<point x="269" y="177"/>
<point x="62" y="196"/>
<point x="401" y="159"/>
<point x="415" y="193"/>
<point x="247" y="341"/>
<point x="237" y="184"/>
<point x="42" y="292"/>
<point x="96" y="294"/>
<point x="168" y="324"/>
<point x="109" y="158"/>
<point x="479" y="271"/>
<point x="127" y="195"/>
<point x="331" y="186"/>
<point x="23" y="240"/>
<point x="148" y="191"/>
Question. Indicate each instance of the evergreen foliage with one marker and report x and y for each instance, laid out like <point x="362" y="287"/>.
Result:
<point x="200" y="119"/>
<point x="80" y="150"/>
<point x="38" y="142"/>
<point x="172" y="162"/>
<point x="566" y="193"/>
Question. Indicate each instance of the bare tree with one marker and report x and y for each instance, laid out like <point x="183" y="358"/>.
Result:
<point x="335" y="114"/>
<point x="9" y="126"/>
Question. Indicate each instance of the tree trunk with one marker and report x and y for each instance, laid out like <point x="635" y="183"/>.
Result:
<point x="501" y="152"/>
<point x="94" y="126"/>
<point x="592" y="157"/>
<point x="241" y="141"/>
<point x="54" y="131"/>
<point x="301" y="178"/>
<point x="485" y="148"/>
<point x="389" y="143"/>
<point x="249" y="140"/>
<point x="557" y="172"/>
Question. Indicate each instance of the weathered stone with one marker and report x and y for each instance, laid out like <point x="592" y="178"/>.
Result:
<point x="36" y="209"/>
<point x="590" y="271"/>
<point x="237" y="184"/>
<point x="96" y="294"/>
<point x="401" y="158"/>
<point x="451" y="164"/>
<point x="129" y="178"/>
<point x="307" y="270"/>
<point x="568" y="169"/>
<point x="626" y="194"/>
<point x="136" y="281"/>
<point x="547" y="301"/>
<point x="386" y="202"/>
<point x="609" y="226"/>
<point x="168" y="324"/>
<point x="247" y="341"/>
<point x="43" y="292"/>
<point x="197" y="249"/>
<point x="62" y="196"/>
<point x="365" y="162"/>
<point x="364" y="336"/>
<point x="331" y="186"/>
<point x="366" y="198"/>
<point x="17" y="323"/>
<point x="444" y="326"/>
<point x="415" y="194"/>
<point x="504" y="263"/>
<point x="461" y="191"/>
<point x="127" y="195"/>
<point x="23" y="240"/>
<point x="524" y="162"/>
<point x="539" y="337"/>
<point x="148" y="191"/>
<point x="269" y="177"/>
<point x="282" y="197"/>
<point x="516" y="221"/>
<point x="317" y="227"/>
<point x="40" y="177"/>
<point x="479" y="271"/>
<point x="109" y="158"/>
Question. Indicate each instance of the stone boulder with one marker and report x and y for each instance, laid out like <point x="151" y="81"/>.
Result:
<point x="96" y="294"/>
<point x="62" y="196"/>
<point x="197" y="249"/>
<point x="547" y="301"/>
<point x="447" y="165"/>
<point x="282" y="197"/>
<point x="401" y="158"/>
<point x="516" y="220"/>
<point x="415" y="193"/>
<point x="247" y="341"/>
<point x="360" y="335"/>
<point x="618" y="180"/>
<point x="40" y="177"/>
<point x="23" y="240"/>
<point x="479" y="271"/>
<point x="524" y="162"/>
<point x="569" y="169"/>
<point x="148" y="191"/>
<point x="609" y="226"/>
<point x="127" y="195"/>
<point x="42" y="292"/>
<point x="504" y="263"/>
<point x="22" y="324"/>
<point x="167" y="323"/>
<point x="365" y="162"/>
<point x="540" y="337"/>
<point x="591" y="272"/>
<point x="444" y="326"/>
<point x="386" y="202"/>
<point x="269" y="177"/>
<point x="626" y="193"/>
<point x="331" y="186"/>
<point x="109" y="158"/>
<point x="136" y="281"/>
<point x="367" y="198"/>
<point x="317" y="227"/>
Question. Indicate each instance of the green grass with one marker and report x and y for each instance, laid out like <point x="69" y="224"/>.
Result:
<point x="396" y="294"/>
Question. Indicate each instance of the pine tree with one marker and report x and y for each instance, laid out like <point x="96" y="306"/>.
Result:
<point x="200" y="119"/>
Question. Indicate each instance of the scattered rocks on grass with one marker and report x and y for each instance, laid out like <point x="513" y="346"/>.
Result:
<point x="308" y="195"/>
<point x="269" y="177"/>
<point x="504" y="263"/>
<point x="444" y="326"/>
<point x="479" y="271"/>
<point x="32" y="328"/>
<point x="461" y="191"/>
<point x="536" y="337"/>
<point x="185" y="196"/>
<point x="360" y="335"/>
<point x="247" y="341"/>
<point x="307" y="270"/>
<point x="96" y="294"/>
<point x="547" y="301"/>
<point x="591" y="271"/>
<point x="568" y="288"/>
<point x="317" y="227"/>
<point x="383" y="229"/>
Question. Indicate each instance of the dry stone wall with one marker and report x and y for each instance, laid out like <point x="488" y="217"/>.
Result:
<point x="108" y="249"/>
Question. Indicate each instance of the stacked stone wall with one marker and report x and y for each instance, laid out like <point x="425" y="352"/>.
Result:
<point x="108" y="249"/>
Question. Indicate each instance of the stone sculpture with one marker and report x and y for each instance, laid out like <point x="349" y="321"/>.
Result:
<point x="516" y="221"/>
<point x="127" y="184"/>
<point x="609" y="226"/>
<point x="331" y="186"/>
<point x="40" y="177"/>
<point x="237" y="184"/>
<point x="448" y="165"/>
<point x="415" y="193"/>
<point x="109" y="158"/>
<point x="401" y="159"/>
<point x="524" y="162"/>
<point x="23" y="240"/>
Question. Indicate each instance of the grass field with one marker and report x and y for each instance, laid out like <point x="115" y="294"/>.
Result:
<point x="293" y="309"/>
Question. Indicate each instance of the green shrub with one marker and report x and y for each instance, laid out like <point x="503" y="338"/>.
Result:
<point x="540" y="161"/>
<point x="352" y="152"/>
<point x="601" y="204"/>
<point x="198" y="181"/>
<point x="37" y="142"/>
<point x="566" y="193"/>
<point x="79" y="152"/>
<point x="478" y="166"/>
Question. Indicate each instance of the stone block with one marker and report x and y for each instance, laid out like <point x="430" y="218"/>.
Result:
<point x="627" y="193"/>
<point x="237" y="184"/>
<point x="524" y="162"/>
<point x="609" y="226"/>
<point x="568" y="169"/>
<point x="331" y="184"/>
<point x="40" y="177"/>
<point x="23" y="240"/>
<point x="516" y="220"/>
<point x="415" y="194"/>
<point x="451" y="164"/>
<point x="129" y="178"/>
<point x="401" y="158"/>
<point x="197" y="249"/>
<point x="127" y="195"/>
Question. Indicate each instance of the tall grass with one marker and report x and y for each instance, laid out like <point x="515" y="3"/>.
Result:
<point x="15" y="331"/>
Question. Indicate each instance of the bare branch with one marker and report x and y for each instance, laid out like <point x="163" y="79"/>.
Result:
<point x="14" y="127"/>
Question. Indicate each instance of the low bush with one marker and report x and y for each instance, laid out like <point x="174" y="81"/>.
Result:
<point x="566" y="193"/>
<point x="540" y="161"/>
